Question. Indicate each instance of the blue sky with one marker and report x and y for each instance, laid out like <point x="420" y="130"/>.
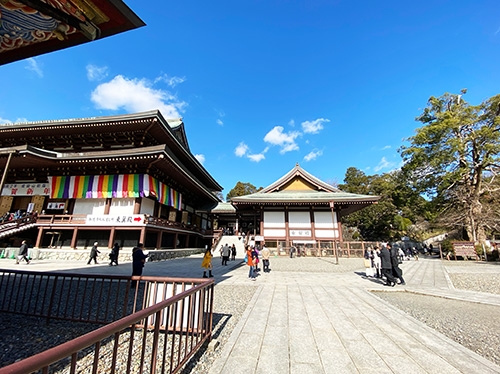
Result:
<point x="263" y="85"/>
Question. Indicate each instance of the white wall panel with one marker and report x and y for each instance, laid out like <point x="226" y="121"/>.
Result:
<point x="324" y="220"/>
<point x="299" y="220"/>
<point x="274" y="233"/>
<point x="147" y="206"/>
<point x="89" y="206"/>
<point x="122" y="206"/>
<point x="274" y="219"/>
<point x="327" y="234"/>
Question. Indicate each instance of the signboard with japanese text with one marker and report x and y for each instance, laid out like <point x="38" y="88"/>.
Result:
<point x="464" y="249"/>
<point x="26" y="189"/>
<point x="116" y="220"/>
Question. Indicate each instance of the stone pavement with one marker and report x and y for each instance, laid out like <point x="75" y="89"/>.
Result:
<point x="301" y="321"/>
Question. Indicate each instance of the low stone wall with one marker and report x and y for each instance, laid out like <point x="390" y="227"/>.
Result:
<point x="83" y="255"/>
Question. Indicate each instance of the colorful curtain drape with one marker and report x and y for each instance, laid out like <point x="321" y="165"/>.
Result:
<point x="113" y="186"/>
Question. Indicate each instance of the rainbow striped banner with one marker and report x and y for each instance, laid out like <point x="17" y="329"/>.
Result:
<point x="113" y="186"/>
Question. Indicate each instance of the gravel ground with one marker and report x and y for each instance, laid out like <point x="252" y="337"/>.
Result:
<point x="475" y="326"/>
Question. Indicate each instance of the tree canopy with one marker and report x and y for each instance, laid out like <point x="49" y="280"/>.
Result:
<point x="242" y="189"/>
<point x="453" y="158"/>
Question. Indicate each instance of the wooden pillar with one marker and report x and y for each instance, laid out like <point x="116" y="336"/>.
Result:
<point x="73" y="239"/>
<point x="287" y="228"/>
<point x="39" y="238"/>
<point x="107" y="206"/>
<point x="176" y="239"/>
<point x="143" y="235"/>
<point x="313" y="229"/>
<point x="111" y="237"/>
<point x="137" y="206"/>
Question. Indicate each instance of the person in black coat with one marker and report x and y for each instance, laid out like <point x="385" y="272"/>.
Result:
<point x="385" y="258"/>
<point x="23" y="253"/>
<point x="113" y="256"/>
<point x="138" y="260"/>
<point x="396" y="271"/>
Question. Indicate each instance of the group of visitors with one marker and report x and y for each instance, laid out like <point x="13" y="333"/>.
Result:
<point x="253" y="254"/>
<point x="383" y="263"/>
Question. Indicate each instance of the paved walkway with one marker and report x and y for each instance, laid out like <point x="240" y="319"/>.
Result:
<point x="324" y="322"/>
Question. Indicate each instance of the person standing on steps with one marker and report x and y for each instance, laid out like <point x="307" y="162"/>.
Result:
<point x="23" y="253"/>
<point x="93" y="253"/>
<point x="207" y="263"/>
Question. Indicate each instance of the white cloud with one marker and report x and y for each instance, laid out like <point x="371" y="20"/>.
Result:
<point x="291" y="123"/>
<point x="256" y="157"/>
<point x="285" y="140"/>
<point x="313" y="127"/>
<point x="200" y="158"/>
<point x="135" y="95"/>
<point x="313" y="155"/>
<point x="383" y="164"/>
<point x="170" y="81"/>
<point x="4" y="121"/>
<point x="241" y="149"/>
<point x="386" y="147"/>
<point x="96" y="73"/>
<point x="219" y="122"/>
<point x="34" y="66"/>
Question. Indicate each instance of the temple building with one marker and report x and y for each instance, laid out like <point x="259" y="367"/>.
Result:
<point x="124" y="179"/>
<point x="298" y="210"/>
<point x="30" y="28"/>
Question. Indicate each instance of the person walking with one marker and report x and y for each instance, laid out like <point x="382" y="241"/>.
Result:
<point x="23" y="253"/>
<point x="138" y="261"/>
<point x="113" y="256"/>
<point x="385" y="258"/>
<point x="396" y="271"/>
<point x="265" y="253"/>
<point x="94" y="252"/>
<point x="207" y="263"/>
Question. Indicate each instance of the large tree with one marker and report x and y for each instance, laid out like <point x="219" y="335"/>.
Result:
<point x="454" y="157"/>
<point x="395" y="213"/>
<point x="242" y="189"/>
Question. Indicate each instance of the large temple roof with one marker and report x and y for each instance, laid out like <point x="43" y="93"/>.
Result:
<point x="30" y="28"/>
<point x="132" y="143"/>
<point x="300" y="188"/>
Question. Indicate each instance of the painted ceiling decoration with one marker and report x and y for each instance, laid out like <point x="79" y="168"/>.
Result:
<point x="32" y="27"/>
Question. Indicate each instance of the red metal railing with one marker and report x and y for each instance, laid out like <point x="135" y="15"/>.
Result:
<point x="154" y="329"/>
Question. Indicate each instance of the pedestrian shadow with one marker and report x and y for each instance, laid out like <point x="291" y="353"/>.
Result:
<point x="363" y="275"/>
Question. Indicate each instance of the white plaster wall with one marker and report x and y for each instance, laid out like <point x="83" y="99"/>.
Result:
<point x="147" y="206"/>
<point x="327" y="233"/>
<point x="89" y="206"/>
<point x="274" y="233"/>
<point x="274" y="219"/>
<point x="324" y="220"/>
<point x="299" y="220"/>
<point x="122" y="206"/>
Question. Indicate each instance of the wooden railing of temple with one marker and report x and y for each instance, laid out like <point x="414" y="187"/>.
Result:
<point x="156" y="326"/>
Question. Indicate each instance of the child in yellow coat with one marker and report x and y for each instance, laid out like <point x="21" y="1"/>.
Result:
<point x="207" y="263"/>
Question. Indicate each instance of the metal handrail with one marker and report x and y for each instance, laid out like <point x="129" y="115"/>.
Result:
<point x="185" y="320"/>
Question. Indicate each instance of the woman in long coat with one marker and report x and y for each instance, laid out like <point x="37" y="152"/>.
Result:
<point x="207" y="263"/>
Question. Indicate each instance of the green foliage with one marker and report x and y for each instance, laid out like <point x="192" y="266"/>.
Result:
<point x="397" y="210"/>
<point x="450" y="156"/>
<point x="447" y="246"/>
<point x="242" y="189"/>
